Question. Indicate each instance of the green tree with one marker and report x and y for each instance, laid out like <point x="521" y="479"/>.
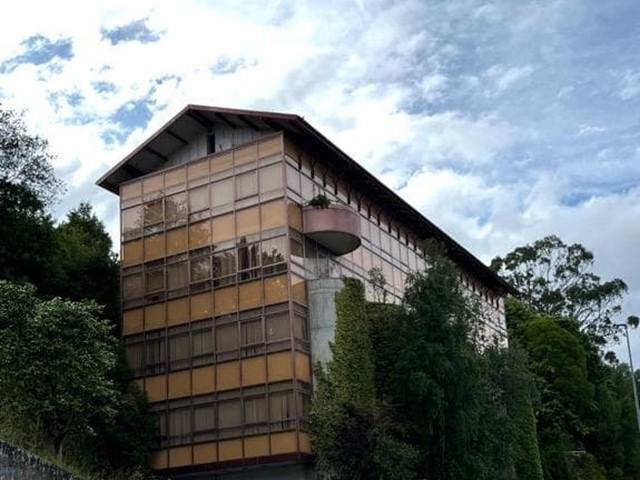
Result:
<point x="55" y="359"/>
<point x="352" y="432"/>
<point x="558" y="279"/>
<point x="83" y="265"/>
<point x="25" y="159"/>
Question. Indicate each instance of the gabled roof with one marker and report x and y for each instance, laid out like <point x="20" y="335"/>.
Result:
<point x="196" y="119"/>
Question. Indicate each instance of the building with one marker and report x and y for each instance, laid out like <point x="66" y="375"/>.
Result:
<point x="228" y="277"/>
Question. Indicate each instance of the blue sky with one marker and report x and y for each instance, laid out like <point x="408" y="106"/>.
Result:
<point x="502" y="121"/>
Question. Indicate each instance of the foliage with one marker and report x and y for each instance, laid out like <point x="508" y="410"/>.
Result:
<point x="55" y="360"/>
<point x="26" y="235"/>
<point x="351" y="432"/>
<point x="24" y="158"/>
<point x="557" y="279"/>
<point x="83" y="265"/>
<point x="379" y="284"/>
<point x="319" y="201"/>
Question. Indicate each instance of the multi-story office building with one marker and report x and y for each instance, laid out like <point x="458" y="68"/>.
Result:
<point x="228" y="276"/>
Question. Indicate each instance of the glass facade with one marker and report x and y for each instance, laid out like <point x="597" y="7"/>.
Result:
<point x="214" y="271"/>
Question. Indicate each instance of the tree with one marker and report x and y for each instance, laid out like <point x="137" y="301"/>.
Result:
<point x="24" y="158"/>
<point x="557" y="279"/>
<point x="26" y="235"/>
<point x="83" y="265"/>
<point x="440" y="389"/>
<point x="352" y="432"/>
<point x="55" y="359"/>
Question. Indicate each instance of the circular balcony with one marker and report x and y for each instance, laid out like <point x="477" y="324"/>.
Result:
<point x="337" y="227"/>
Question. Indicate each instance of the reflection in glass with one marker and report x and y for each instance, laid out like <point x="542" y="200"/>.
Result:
<point x="132" y="221"/>
<point x="175" y="207"/>
<point x="198" y="199"/>
<point x="246" y="185"/>
<point x="153" y="212"/>
<point x="200" y="269"/>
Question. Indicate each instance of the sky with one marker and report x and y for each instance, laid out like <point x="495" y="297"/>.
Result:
<point x="502" y="121"/>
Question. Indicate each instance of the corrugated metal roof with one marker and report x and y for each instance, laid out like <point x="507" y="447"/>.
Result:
<point x="196" y="119"/>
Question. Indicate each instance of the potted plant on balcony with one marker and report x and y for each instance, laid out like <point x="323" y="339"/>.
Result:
<point x="319" y="201"/>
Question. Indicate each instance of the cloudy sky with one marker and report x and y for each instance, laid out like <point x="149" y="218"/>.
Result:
<point x="501" y="120"/>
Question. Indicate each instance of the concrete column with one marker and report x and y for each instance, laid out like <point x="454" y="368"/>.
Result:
<point x="321" y="295"/>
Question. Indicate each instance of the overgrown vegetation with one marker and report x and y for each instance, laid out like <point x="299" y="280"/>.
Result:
<point x="65" y="390"/>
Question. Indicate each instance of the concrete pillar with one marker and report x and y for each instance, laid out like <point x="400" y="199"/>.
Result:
<point x="321" y="295"/>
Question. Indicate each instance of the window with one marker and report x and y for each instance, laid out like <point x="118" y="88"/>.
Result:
<point x="135" y="354"/>
<point x="300" y="327"/>
<point x="278" y="327"/>
<point x="200" y="269"/>
<point x="293" y="178"/>
<point x="177" y="276"/>
<point x="224" y="264"/>
<point x="296" y="251"/>
<point x="156" y="354"/>
<point x="179" y="426"/>
<point x="202" y="343"/>
<point x="153" y="212"/>
<point x="198" y="199"/>
<point x="175" y="207"/>
<point x="229" y="418"/>
<point x="179" y="350"/>
<point x="227" y="341"/>
<point x="132" y="286"/>
<point x="131" y="221"/>
<point x="248" y="258"/>
<point x="222" y="193"/>
<point x="281" y="410"/>
<point x="204" y="422"/>
<point x="246" y="185"/>
<point x="155" y="280"/>
<point x="255" y="413"/>
<point x="252" y="337"/>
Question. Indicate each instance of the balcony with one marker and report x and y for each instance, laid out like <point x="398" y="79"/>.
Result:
<point x="336" y="227"/>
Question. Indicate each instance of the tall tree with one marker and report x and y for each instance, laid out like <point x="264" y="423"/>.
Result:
<point x="558" y="279"/>
<point x="25" y="159"/>
<point x="83" y="266"/>
<point x="55" y="360"/>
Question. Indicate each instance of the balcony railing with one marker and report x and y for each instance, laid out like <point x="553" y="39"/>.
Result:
<point x="336" y="227"/>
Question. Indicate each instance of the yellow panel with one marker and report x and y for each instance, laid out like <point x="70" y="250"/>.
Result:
<point x="174" y="177"/>
<point x="201" y="305"/>
<point x="230" y="449"/>
<point x="132" y="321"/>
<point x="176" y="240"/>
<point x="159" y="460"/>
<point x="250" y="295"/>
<point x="205" y="453"/>
<point x="303" y="367"/>
<point x="270" y="147"/>
<point x="153" y="183"/>
<point x="257" y="446"/>
<point x="131" y="190"/>
<point x="305" y="442"/>
<point x="132" y="253"/>
<point x="228" y="375"/>
<point x="298" y="289"/>
<point x="154" y="247"/>
<point x="294" y="212"/>
<point x="156" y="388"/>
<point x="226" y="300"/>
<point x="178" y="311"/>
<point x="245" y="155"/>
<point x="204" y="380"/>
<point x="200" y="234"/>
<point x="283" y="443"/>
<point x="247" y="221"/>
<point x="279" y="366"/>
<point x="198" y="169"/>
<point x="253" y="371"/>
<point x="180" y="456"/>
<point x="223" y="228"/>
<point x="154" y="316"/>
<point x="180" y="384"/>
<point x="275" y="289"/>
<point x="272" y="214"/>
<point x="221" y="163"/>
